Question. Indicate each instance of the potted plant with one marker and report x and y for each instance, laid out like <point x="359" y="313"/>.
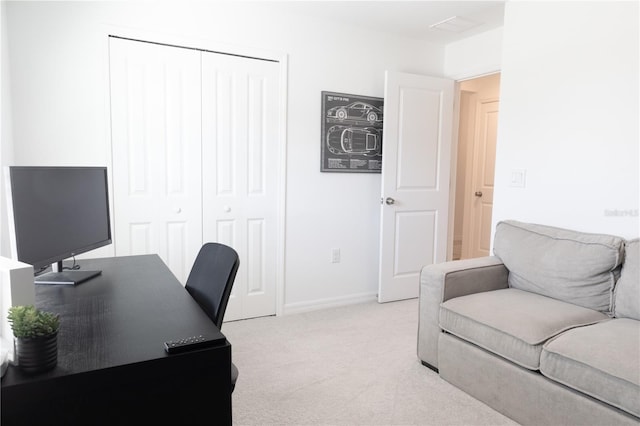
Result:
<point x="36" y="337"/>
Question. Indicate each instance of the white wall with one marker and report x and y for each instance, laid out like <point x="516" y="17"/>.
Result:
<point x="569" y="116"/>
<point x="60" y="113"/>
<point x="474" y="56"/>
<point x="6" y="144"/>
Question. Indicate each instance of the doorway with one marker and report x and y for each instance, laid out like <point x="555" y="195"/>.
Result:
<point x="475" y="166"/>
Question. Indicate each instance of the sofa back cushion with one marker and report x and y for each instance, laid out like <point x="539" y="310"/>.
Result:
<point x="627" y="291"/>
<point x="575" y="267"/>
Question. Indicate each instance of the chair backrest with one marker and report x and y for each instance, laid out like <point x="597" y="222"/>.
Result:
<point x="211" y="279"/>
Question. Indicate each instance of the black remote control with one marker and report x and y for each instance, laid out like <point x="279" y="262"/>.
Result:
<point x="188" y="343"/>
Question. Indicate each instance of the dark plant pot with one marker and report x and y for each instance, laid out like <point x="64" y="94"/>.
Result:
<point x="37" y="354"/>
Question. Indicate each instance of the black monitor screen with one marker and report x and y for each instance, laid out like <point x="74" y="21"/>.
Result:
<point x="58" y="212"/>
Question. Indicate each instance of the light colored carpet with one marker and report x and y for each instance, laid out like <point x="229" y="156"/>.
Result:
<point x="352" y="365"/>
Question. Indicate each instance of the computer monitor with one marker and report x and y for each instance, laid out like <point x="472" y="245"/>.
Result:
<point x="57" y="213"/>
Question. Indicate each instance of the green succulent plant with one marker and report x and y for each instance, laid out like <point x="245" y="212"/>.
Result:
<point x="28" y="321"/>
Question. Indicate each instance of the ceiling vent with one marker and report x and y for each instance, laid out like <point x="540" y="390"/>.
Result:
<point x="454" y="24"/>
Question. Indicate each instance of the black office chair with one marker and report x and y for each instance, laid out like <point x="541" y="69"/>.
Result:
<point x="210" y="281"/>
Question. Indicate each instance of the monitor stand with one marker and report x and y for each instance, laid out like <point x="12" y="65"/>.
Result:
<point x="65" y="277"/>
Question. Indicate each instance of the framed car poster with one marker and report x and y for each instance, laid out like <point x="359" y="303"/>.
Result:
<point x="351" y="133"/>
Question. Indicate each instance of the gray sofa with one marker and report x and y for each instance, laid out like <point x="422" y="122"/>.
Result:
<point x="546" y="331"/>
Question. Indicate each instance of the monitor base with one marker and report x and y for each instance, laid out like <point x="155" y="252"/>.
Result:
<point x="65" y="277"/>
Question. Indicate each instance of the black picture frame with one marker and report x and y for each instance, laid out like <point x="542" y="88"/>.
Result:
<point x="351" y="134"/>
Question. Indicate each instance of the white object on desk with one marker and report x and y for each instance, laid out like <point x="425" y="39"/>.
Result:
<point x="6" y="349"/>
<point x="18" y="288"/>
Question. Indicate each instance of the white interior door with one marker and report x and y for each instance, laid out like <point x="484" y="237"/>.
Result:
<point x="481" y="201"/>
<point x="475" y="188"/>
<point x="240" y="171"/>
<point x="418" y="112"/>
<point x="156" y="120"/>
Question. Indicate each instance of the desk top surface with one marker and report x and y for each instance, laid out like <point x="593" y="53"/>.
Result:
<point x="121" y="317"/>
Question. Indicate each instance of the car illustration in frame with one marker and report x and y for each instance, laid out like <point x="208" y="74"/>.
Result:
<point x="352" y="127"/>
<point x="343" y="140"/>
<point x="356" y="111"/>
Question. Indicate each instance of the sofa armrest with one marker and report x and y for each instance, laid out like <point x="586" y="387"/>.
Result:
<point x="443" y="281"/>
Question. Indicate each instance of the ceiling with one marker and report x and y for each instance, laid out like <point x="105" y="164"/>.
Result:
<point x="410" y="19"/>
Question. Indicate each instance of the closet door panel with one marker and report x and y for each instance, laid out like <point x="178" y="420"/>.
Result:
<point x="239" y="157"/>
<point x="156" y="139"/>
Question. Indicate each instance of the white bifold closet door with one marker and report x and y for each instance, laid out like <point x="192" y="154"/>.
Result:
<point x="194" y="138"/>
<point x="239" y="158"/>
<point x="156" y="143"/>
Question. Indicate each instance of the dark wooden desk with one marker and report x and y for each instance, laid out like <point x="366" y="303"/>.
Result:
<point x="112" y="367"/>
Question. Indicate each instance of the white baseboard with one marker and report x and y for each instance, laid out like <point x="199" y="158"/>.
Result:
<point x="314" y="305"/>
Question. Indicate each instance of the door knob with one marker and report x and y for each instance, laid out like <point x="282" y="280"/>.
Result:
<point x="478" y="194"/>
<point x="389" y="201"/>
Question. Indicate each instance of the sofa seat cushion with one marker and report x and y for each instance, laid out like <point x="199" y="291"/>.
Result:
<point x="512" y="323"/>
<point x="572" y="266"/>
<point x="601" y="360"/>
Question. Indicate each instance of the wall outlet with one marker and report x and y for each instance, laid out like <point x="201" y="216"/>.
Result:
<point x="335" y="255"/>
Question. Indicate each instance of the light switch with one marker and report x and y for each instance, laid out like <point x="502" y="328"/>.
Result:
<point x="518" y="178"/>
<point x="335" y="255"/>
